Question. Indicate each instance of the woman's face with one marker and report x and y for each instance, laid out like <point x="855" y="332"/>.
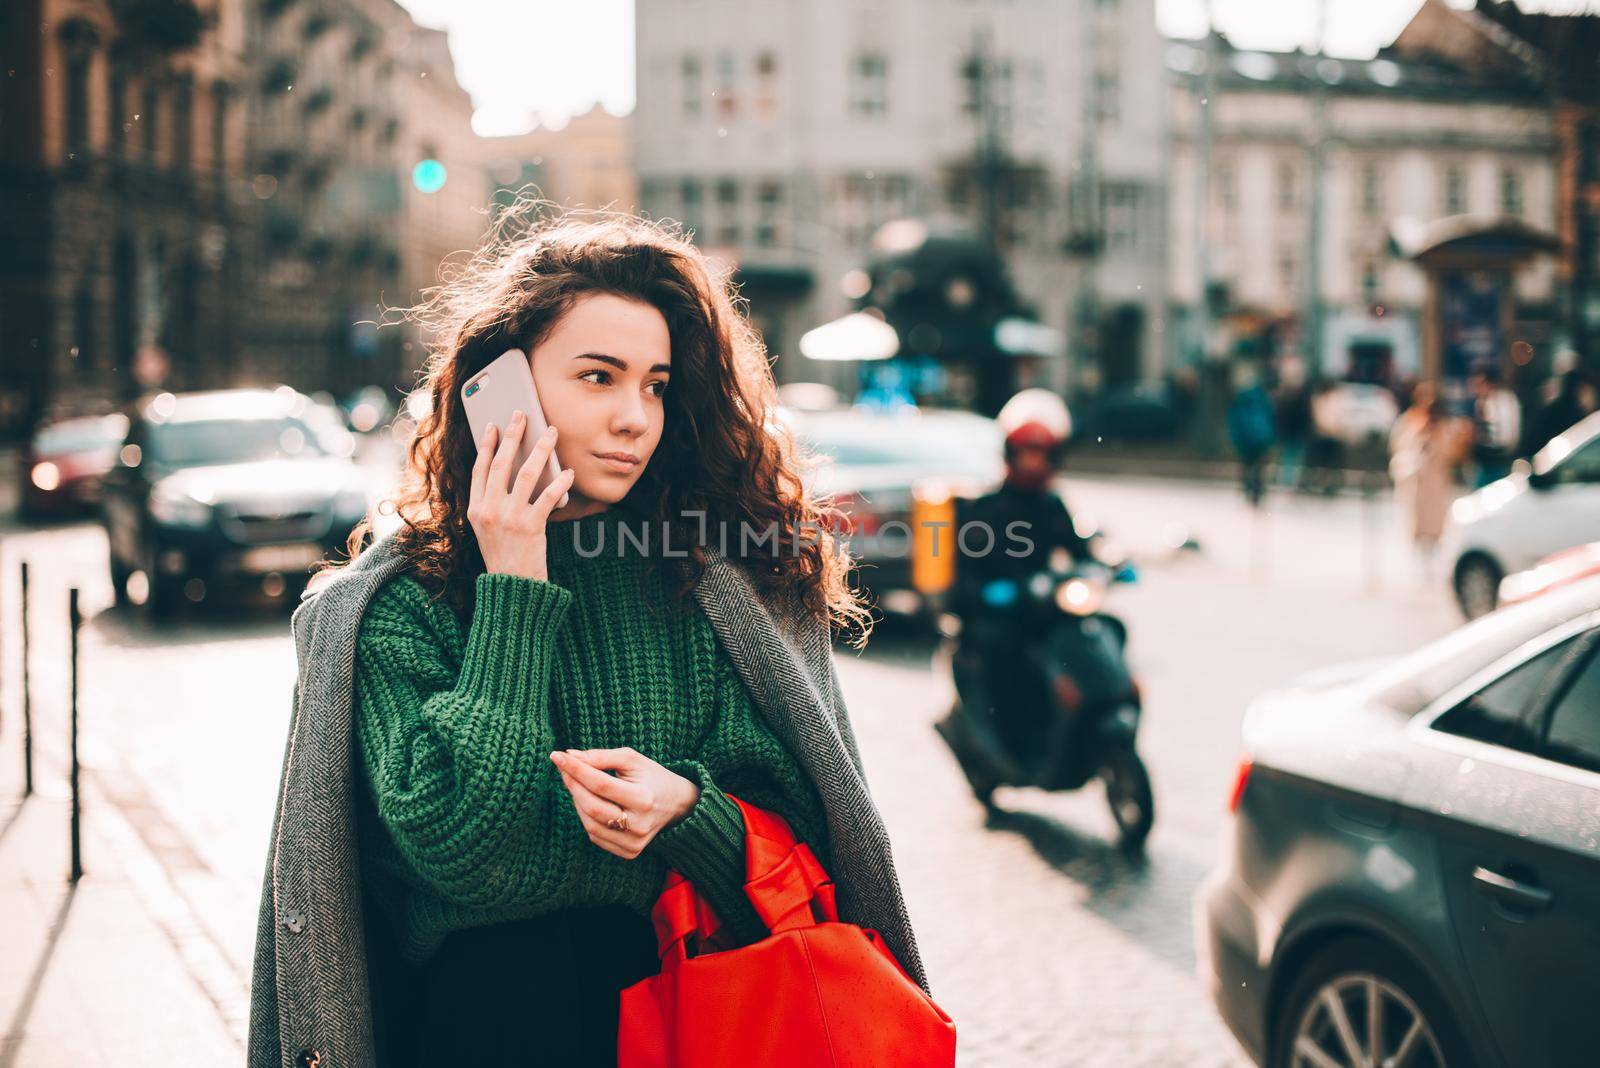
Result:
<point x="600" y="373"/>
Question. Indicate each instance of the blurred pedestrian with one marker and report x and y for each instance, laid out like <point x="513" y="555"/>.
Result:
<point x="509" y="726"/>
<point x="1424" y="448"/>
<point x="1496" y="426"/>
<point x="1293" y="403"/>
<point x="1574" y="398"/>
<point x="1252" y="427"/>
<point x="1325" y="451"/>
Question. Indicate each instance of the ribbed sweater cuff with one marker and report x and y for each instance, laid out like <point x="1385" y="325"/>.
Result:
<point x="508" y="649"/>
<point x="707" y="847"/>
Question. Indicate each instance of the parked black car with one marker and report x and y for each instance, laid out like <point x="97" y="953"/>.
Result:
<point x="1413" y="875"/>
<point x="226" y="488"/>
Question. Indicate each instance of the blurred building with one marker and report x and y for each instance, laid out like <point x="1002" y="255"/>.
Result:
<point x="1315" y="164"/>
<point x="369" y="174"/>
<point x="586" y="163"/>
<point x="121" y="199"/>
<point x="786" y="133"/>
<point x="1561" y="54"/>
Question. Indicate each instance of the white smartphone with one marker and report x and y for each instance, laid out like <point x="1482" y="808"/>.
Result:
<point x="491" y="395"/>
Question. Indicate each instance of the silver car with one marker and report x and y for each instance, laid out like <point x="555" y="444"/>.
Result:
<point x="1413" y="873"/>
<point x="873" y="459"/>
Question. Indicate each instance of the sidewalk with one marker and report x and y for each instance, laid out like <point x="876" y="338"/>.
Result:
<point x="113" y="972"/>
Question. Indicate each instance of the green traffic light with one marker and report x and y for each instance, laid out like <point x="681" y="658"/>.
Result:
<point x="428" y="176"/>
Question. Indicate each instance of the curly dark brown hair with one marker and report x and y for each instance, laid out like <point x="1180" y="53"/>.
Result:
<point x="722" y="454"/>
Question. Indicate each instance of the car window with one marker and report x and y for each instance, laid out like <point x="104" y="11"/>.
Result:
<point x="1574" y="736"/>
<point x="1500" y="713"/>
<point x="79" y="436"/>
<point x="231" y="441"/>
<point x="1581" y="467"/>
<point x="942" y="447"/>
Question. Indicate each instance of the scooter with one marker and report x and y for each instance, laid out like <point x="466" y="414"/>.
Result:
<point x="1076" y="663"/>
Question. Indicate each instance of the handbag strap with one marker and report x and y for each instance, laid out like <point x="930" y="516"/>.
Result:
<point x="679" y="914"/>
<point x="783" y="879"/>
<point x="784" y="882"/>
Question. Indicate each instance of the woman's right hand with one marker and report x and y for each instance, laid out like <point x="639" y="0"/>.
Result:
<point x="511" y="528"/>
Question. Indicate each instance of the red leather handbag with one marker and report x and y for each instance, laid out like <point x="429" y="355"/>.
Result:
<point x="816" y="993"/>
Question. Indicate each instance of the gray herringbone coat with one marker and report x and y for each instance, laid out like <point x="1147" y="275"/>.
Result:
<point x="309" y="998"/>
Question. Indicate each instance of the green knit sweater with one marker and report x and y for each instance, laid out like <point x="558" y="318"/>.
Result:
<point x="466" y="820"/>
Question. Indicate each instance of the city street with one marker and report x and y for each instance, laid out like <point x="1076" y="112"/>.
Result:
<point x="1047" y="945"/>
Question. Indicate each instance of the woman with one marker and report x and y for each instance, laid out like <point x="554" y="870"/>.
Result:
<point x="1425" y="446"/>
<point x="544" y="720"/>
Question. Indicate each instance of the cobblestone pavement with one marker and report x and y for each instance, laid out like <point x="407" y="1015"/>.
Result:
<point x="1046" y="944"/>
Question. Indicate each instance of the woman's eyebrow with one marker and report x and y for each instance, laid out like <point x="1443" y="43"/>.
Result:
<point x="621" y="365"/>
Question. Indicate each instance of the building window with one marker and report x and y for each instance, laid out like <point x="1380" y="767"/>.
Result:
<point x="1455" y="190"/>
<point x="971" y="74"/>
<point x="147" y="117"/>
<point x="1369" y="281"/>
<point x="769" y="201"/>
<point x="219" y="125"/>
<point x="766" y="84"/>
<point x="869" y="85"/>
<point x="1119" y="214"/>
<point x="1288" y="272"/>
<point x="1510" y="191"/>
<point x="1371" y="191"/>
<point x="1288" y="191"/>
<point x="1107" y="96"/>
<point x="116" y="113"/>
<point x="77" y="89"/>
<point x="689" y="193"/>
<point x="691" y="86"/>
<point x="726" y="94"/>
<point x="728" y="230"/>
<point x="83" y="330"/>
<point x="182" y="123"/>
<point x="1227" y="186"/>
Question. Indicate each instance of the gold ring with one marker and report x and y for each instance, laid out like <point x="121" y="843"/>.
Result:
<point x="618" y="823"/>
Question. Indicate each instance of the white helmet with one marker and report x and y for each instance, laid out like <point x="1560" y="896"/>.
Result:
<point x="1035" y="417"/>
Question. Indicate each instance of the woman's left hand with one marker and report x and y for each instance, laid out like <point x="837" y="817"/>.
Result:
<point x="644" y="796"/>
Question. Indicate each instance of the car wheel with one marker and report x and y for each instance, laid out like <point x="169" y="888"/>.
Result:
<point x="1477" y="585"/>
<point x="161" y="595"/>
<point x="120" y="575"/>
<point x="1359" y="1002"/>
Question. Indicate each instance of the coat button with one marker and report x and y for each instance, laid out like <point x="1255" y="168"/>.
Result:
<point x="309" y="1058"/>
<point x="295" y="922"/>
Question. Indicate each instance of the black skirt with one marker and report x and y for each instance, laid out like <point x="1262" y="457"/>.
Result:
<point x="537" y="992"/>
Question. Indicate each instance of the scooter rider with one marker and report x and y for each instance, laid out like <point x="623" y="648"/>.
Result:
<point x="1026" y="522"/>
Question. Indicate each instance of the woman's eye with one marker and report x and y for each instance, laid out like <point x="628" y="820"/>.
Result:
<point x="586" y="374"/>
<point x="659" y="387"/>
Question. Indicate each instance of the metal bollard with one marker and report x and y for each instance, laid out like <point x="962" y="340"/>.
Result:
<point x="27" y="701"/>
<point x="73" y="622"/>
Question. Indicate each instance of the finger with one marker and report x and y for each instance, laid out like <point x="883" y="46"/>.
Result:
<point x="480" y="466"/>
<point x="594" y="808"/>
<point x="500" y="466"/>
<point x="537" y="461"/>
<point x="624" y="759"/>
<point x="618" y="791"/>
<point x="596" y="814"/>
<point x="545" y="503"/>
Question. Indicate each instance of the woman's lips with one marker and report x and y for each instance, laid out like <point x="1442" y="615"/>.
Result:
<point x="615" y="464"/>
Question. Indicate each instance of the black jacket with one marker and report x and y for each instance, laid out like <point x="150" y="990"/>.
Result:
<point x="1027" y="525"/>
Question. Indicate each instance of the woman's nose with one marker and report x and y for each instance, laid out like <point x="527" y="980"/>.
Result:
<point x="630" y="416"/>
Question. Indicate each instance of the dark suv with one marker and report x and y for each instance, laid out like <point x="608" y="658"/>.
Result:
<point x="228" y="488"/>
